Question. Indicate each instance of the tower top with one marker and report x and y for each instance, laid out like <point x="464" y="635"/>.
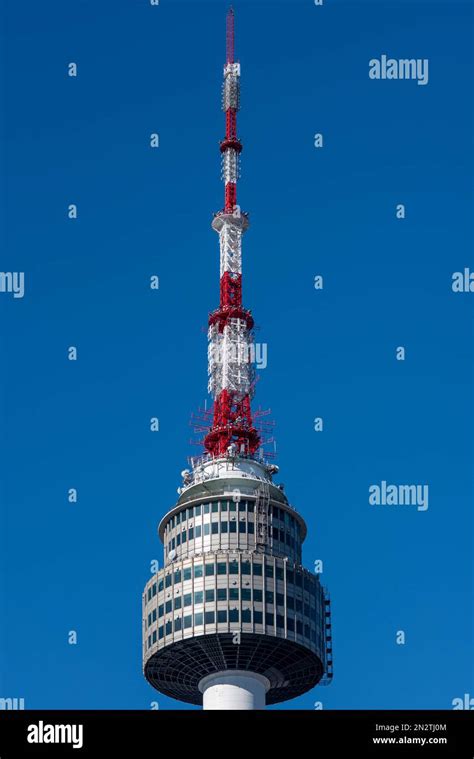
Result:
<point x="230" y="36"/>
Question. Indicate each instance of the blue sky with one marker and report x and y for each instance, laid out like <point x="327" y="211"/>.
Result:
<point x="331" y="353"/>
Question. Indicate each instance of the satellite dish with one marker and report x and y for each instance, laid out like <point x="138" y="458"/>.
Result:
<point x="172" y="554"/>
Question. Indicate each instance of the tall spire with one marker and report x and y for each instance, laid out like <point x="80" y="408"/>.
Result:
<point x="230" y="36"/>
<point x="231" y="373"/>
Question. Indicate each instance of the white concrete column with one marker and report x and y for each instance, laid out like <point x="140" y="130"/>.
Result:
<point x="234" y="689"/>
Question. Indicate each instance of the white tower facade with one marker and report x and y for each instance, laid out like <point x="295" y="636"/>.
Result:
<point x="233" y="620"/>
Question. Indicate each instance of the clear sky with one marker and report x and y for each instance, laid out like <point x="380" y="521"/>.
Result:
<point x="142" y="353"/>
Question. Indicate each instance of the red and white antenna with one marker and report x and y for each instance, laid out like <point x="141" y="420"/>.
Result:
<point x="231" y="348"/>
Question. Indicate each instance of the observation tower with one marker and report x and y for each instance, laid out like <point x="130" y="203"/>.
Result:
<point x="233" y="620"/>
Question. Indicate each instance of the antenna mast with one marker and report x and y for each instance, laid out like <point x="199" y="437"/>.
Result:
<point x="231" y="349"/>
